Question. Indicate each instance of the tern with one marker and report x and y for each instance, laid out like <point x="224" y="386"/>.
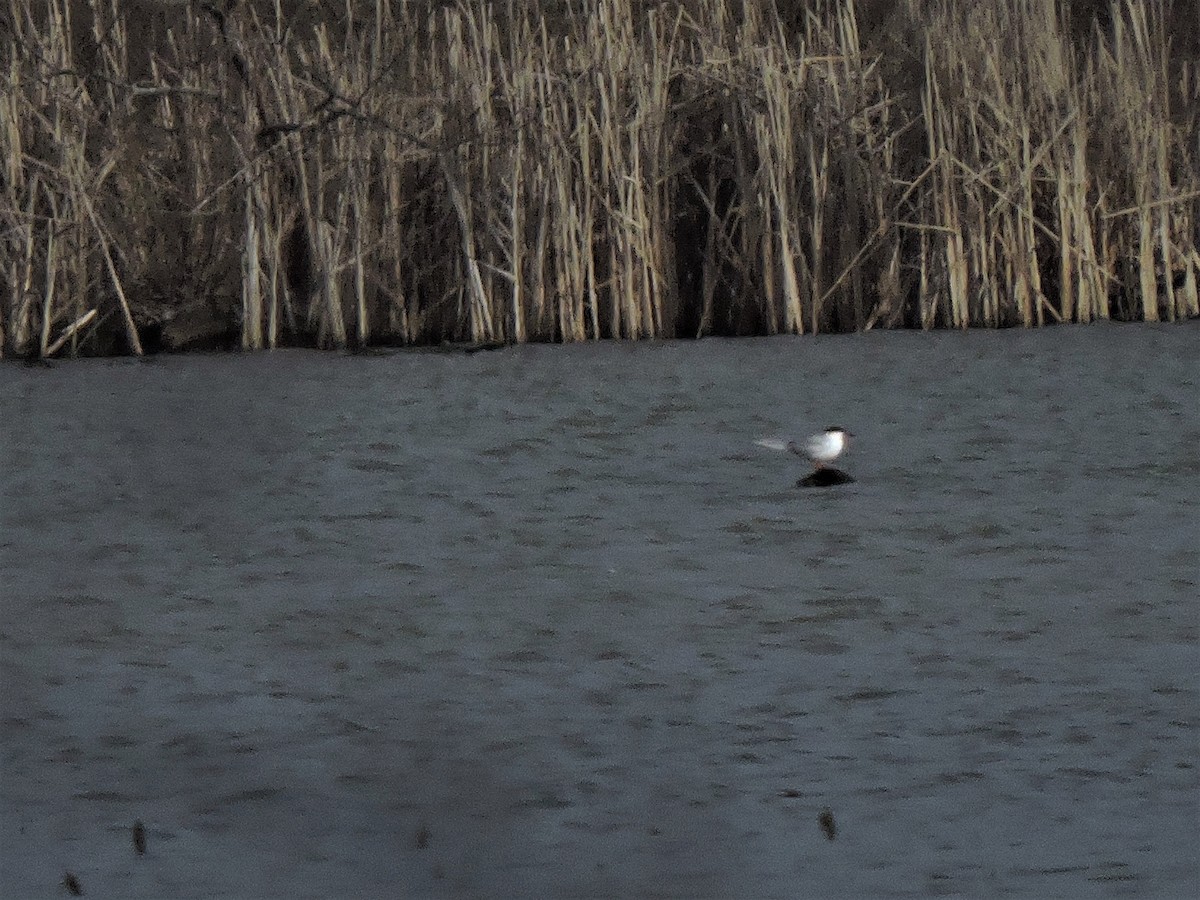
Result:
<point x="820" y="449"/>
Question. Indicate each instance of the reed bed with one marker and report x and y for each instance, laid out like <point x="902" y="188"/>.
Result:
<point x="351" y="172"/>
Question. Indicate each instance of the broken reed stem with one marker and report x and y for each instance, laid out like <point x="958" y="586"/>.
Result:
<point x="520" y="172"/>
<point x="131" y="332"/>
<point x="69" y="332"/>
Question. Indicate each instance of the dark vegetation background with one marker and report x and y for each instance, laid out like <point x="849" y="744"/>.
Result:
<point x="265" y="172"/>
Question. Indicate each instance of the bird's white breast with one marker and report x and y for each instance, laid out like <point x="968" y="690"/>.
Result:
<point x="826" y="446"/>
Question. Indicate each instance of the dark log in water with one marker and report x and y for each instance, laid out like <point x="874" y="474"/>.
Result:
<point x="825" y="478"/>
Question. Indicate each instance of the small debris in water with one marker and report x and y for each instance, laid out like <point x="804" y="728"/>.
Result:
<point x="422" y="837"/>
<point x="139" y="838"/>
<point x="825" y="820"/>
<point x="71" y="883"/>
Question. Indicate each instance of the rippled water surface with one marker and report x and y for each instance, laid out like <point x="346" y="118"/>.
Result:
<point x="545" y="622"/>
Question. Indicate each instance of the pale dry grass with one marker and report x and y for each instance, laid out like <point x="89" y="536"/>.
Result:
<point x="383" y="171"/>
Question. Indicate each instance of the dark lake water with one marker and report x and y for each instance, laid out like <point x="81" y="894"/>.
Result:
<point x="545" y="622"/>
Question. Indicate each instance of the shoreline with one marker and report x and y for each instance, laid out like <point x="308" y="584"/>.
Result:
<point x="470" y="348"/>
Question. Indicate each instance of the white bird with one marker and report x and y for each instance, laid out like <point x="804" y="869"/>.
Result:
<point x="819" y="449"/>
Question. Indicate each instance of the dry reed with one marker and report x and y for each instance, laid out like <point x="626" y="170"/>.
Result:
<point x="364" y="171"/>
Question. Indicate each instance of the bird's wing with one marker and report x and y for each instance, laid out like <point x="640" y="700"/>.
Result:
<point x="772" y="443"/>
